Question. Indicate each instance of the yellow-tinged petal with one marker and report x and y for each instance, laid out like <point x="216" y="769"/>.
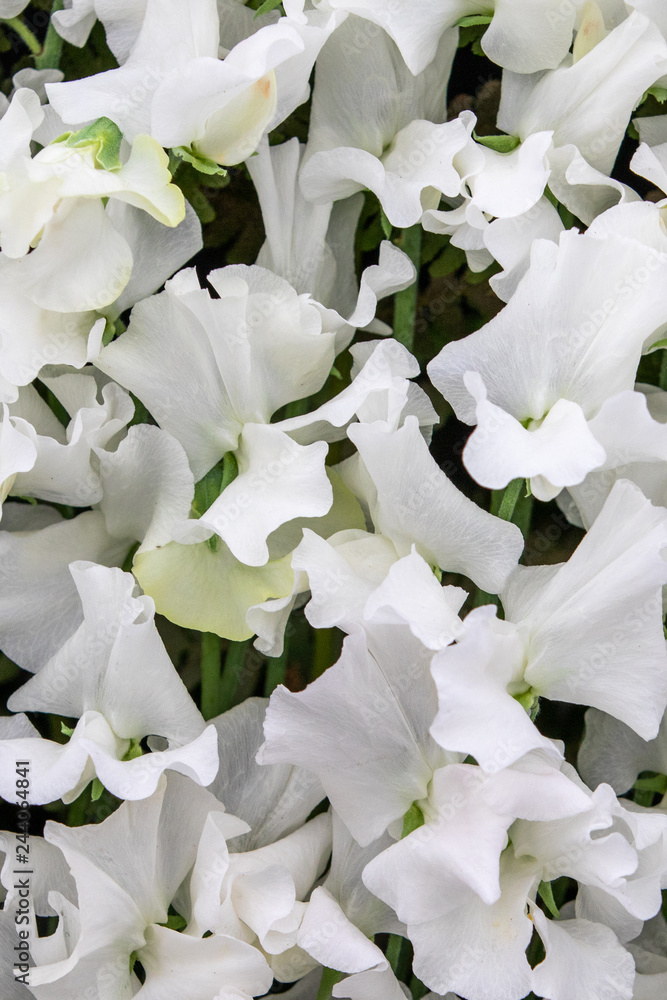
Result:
<point x="234" y="131"/>
<point x="147" y="182"/>
<point x="211" y="591"/>
<point x="591" y="31"/>
<point x="345" y="513"/>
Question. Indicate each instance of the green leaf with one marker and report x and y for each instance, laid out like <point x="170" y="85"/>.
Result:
<point x="547" y="896"/>
<point x="268" y="6"/>
<point x="450" y="260"/>
<point x="657" y="784"/>
<point x="102" y="133"/>
<point x="199" y="162"/>
<point x="472" y="19"/>
<point x="501" y="143"/>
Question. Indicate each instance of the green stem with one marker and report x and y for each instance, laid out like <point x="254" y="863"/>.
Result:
<point x="231" y="674"/>
<point x="49" y="58"/>
<point x="210" y="674"/>
<point x="405" y="302"/>
<point x="322" y="653"/>
<point x="25" y="34"/>
<point x="399" y="956"/>
<point x="275" y="671"/>
<point x="329" y="979"/>
<point x="510" y="499"/>
<point x="417" y="988"/>
<point x="76" y="814"/>
<point x="663" y="371"/>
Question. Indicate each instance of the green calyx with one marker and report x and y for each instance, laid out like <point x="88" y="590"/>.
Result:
<point x="134" y="750"/>
<point x="175" y="922"/>
<point x="546" y="894"/>
<point x="529" y="701"/>
<point x="103" y="136"/>
<point x="413" y="819"/>
<point x="499" y="143"/>
<point x="470" y="20"/>
<point x="201" y="163"/>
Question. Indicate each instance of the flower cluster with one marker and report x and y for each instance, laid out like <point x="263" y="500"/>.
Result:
<point x="208" y="458"/>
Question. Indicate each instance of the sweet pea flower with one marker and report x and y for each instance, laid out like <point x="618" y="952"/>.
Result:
<point x="98" y="677"/>
<point x="545" y="378"/>
<point x="173" y="85"/>
<point x="587" y="101"/>
<point x="128" y="870"/>
<point x="524" y="37"/>
<point x="468" y="879"/>
<point x="587" y="632"/>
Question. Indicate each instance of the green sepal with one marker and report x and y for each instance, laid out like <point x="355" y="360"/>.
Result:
<point x="208" y="489"/>
<point x="659" y="345"/>
<point x="528" y="700"/>
<point x="267" y="7"/>
<point x="413" y="819"/>
<point x="96" y="789"/>
<point x="105" y="135"/>
<point x="65" y="730"/>
<point x="500" y="143"/>
<point x="470" y="20"/>
<point x="199" y="162"/>
<point x="546" y="894"/>
<point x="175" y="922"/>
<point x="660" y="94"/>
<point x="134" y="750"/>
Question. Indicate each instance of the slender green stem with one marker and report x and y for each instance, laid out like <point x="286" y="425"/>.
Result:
<point x="76" y="814"/>
<point x="329" y="979"/>
<point x="393" y="952"/>
<point x="49" y="58"/>
<point x="231" y="674"/>
<point x="210" y="675"/>
<point x="405" y="302"/>
<point x="510" y="499"/>
<point x="25" y="34"/>
<point x="322" y="653"/>
<point x="275" y="670"/>
<point x="399" y="956"/>
<point x="663" y="370"/>
<point x="417" y="988"/>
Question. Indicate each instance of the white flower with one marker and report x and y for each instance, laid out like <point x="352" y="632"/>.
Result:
<point x="114" y="675"/>
<point x="536" y="378"/>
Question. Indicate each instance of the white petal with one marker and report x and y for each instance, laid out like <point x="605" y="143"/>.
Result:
<point x="39" y="604"/>
<point x="586" y="615"/>
<point x="417" y="504"/>
<point x="278" y="480"/>
<point x="583" y="959"/>
<point x="366" y="741"/>
<point x="560" y="452"/>
<point x="476" y="715"/>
